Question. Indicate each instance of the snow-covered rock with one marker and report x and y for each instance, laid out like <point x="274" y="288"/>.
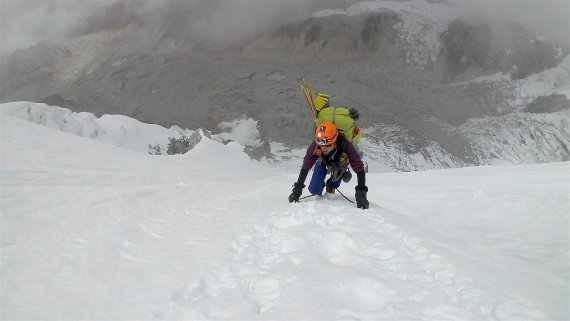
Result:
<point x="520" y="138"/>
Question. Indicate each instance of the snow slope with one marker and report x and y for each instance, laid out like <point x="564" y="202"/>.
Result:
<point x="94" y="231"/>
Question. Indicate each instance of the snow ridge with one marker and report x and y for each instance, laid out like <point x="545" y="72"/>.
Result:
<point x="118" y="130"/>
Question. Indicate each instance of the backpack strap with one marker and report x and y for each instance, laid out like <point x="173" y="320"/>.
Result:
<point x="334" y="116"/>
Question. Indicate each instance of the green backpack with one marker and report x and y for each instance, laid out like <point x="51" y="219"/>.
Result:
<point x="343" y="120"/>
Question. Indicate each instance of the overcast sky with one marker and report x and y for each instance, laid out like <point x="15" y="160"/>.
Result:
<point x="25" y="22"/>
<point x="551" y="17"/>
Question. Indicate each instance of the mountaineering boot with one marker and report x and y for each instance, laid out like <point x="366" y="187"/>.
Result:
<point x="330" y="189"/>
<point x="297" y="191"/>
<point x="323" y="188"/>
<point x="347" y="176"/>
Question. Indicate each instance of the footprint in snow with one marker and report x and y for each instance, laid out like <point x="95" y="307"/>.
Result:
<point x="338" y="248"/>
<point x="264" y="292"/>
<point x="364" y="294"/>
<point x="291" y="244"/>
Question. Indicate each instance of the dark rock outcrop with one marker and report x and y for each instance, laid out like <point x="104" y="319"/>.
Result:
<point x="258" y="152"/>
<point x="471" y="49"/>
<point x="41" y="57"/>
<point x="548" y="104"/>
<point x="58" y="100"/>
<point x="329" y="38"/>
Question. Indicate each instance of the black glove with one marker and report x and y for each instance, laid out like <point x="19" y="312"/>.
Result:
<point x="297" y="191"/>
<point x="361" y="201"/>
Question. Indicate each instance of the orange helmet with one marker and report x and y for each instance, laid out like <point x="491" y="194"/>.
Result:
<point x="326" y="134"/>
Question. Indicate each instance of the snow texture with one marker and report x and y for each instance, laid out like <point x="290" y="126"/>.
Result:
<point x="94" y="231"/>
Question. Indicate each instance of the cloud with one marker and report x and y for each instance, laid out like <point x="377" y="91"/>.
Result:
<point x="549" y="17"/>
<point x="24" y="23"/>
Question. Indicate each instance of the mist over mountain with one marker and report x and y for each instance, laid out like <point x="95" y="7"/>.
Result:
<point x="433" y="79"/>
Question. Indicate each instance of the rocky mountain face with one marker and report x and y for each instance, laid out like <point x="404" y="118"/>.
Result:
<point x="435" y="87"/>
<point x="470" y="48"/>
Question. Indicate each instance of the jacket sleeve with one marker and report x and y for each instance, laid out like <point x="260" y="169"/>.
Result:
<point x="310" y="157"/>
<point x="308" y="162"/>
<point x="353" y="157"/>
<point x="357" y="165"/>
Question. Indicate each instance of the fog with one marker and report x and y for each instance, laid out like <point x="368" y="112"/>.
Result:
<point x="24" y="23"/>
<point x="549" y="17"/>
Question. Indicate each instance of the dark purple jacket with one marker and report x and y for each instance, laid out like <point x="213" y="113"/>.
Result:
<point x="343" y="145"/>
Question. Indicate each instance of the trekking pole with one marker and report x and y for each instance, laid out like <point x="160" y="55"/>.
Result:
<point x="346" y="198"/>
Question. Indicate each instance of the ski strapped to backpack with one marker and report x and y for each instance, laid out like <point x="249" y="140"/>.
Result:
<point x="308" y="93"/>
<point x="343" y="118"/>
